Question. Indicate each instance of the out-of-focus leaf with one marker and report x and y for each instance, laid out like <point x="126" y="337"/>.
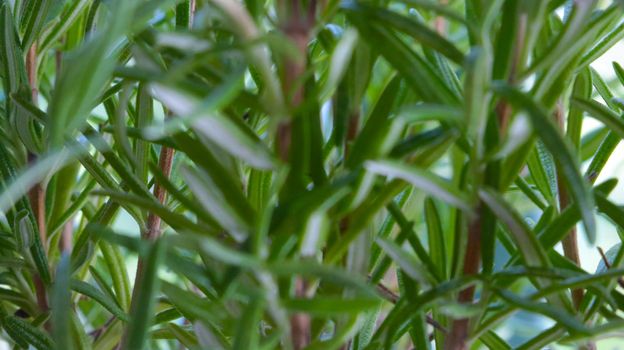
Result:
<point x="142" y="309"/>
<point x="582" y="90"/>
<point x="408" y="263"/>
<point x="33" y="18"/>
<point x="85" y="74"/>
<point x="380" y="130"/>
<point x="62" y="23"/>
<point x="553" y="141"/>
<point x="341" y="57"/>
<point x="218" y="250"/>
<point x="232" y="137"/>
<point x="185" y="337"/>
<point x="526" y="241"/>
<point x="435" y="237"/>
<point x="600" y="112"/>
<point x="427" y="112"/>
<point x="546" y="309"/>
<point x="247" y="336"/>
<point x="493" y="341"/>
<point x="425" y="181"/>
<point x="325" y="306"/>
<point x="605" y="43"/>
<point x="407" y="25"/>
<point x="237" y="219"/>
<point x="412" y="67"/>
<point x="61" y="304"/>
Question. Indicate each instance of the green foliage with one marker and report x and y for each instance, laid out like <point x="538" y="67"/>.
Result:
<point x="307" y="174"/>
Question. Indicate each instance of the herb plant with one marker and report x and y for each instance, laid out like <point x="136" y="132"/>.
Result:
<point x="302" y="174"/>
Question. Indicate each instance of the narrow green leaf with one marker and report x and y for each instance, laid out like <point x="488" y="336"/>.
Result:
<point x="24" y="334"/>
<point x="217" y="250"/>
<point x="603" y="88"/>
<point x="185" y="337"/>
<point x="381" y="130"/>
<point x="602" y="46"/>
<point x="192" y="306"/>
<point x="231" y="136"/>
<point x="220" y="97"/>
<point x="526" y="241"/>
<point x="340" y="59"/>
<point x="24" y="231"/>
<point x="412" y="66"/>
<point x="33" y="19"/>
<point x="582" y="90"/>
<point x="247" y="335"/>
<point x="435" y="237"/>
<point x="330" y="306"/>
<point x="103" y="283"/>
<point x="410" y="26"/>
<point x="619" y="72"/>
<point x="542" y="172"/>
<point x="563" y="318"/>
<point x="328" y="274"/>
<point x="142" y="309"/>
<point x="173" y="219"/>
<point x="493" y="341"/>
<point x="61" y="304"/>
<point x="553" y="141"/>
<point x="427" y="112"/>
<point x="117" y="269"/>
<point x="85" y="73"/>
<point x="404" y="260"/>
<point x="238" y="220"/>
<point x="603" y="114"/>
<point x="425" y="181"/>
<point x="61" y="24"/>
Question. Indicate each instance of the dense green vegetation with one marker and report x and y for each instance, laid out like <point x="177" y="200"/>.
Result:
<point x="290" y="174"/>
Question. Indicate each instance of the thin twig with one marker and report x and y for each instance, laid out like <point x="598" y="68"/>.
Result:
<point x="36" y="194"/>
<point x="620" y="280"/>
<point x="392" y="297"/>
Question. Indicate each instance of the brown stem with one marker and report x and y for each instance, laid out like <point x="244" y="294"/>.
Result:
<point x="152" y="231"/>
<point x="300" y="323"/>
<point x="153" y="220"/>
<point x="31" y="71"/>
<point x="66" y="237"/>
<point x="284" y="134"/>
<point x="570" y="241"/>
<point x="503" y="108"/>
<point x="40" y="292"/>
<point x="36" y="194"/>
<point x="458" y="336"/>
<point x="297" y="28"/>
